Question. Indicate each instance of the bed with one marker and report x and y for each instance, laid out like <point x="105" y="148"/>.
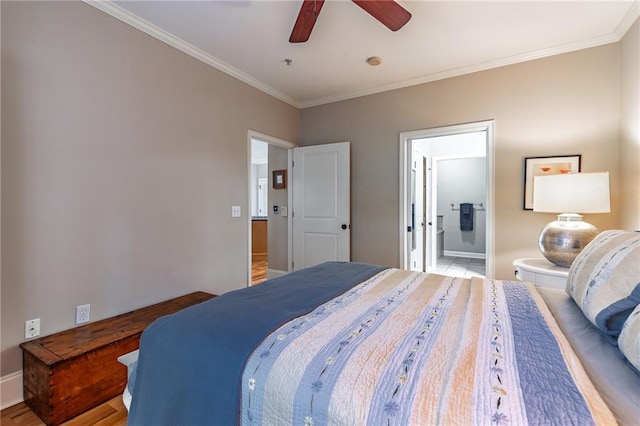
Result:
<point x="352" y="343"/>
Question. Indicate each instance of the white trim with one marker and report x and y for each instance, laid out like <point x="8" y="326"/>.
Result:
<point x="465" y="254"/>
<point x="628" y="20"/>
<point x="275" y="273"/>
<point x="147" y="27"/>
<point x="110" y="8"/>
<point x="456" y="72"/>
<point x="405" y="138"/>
<point x="272" y="140"/>
<point x="11" y="390"/>
<point x="404" y="257"/>
<point x="290" y="216"/>
<point x="491" y="217"/>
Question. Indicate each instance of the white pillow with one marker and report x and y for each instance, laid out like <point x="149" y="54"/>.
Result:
<point x="604" y="279"/>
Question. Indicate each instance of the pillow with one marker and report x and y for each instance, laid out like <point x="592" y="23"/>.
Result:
<point x="629" y="340"/>
<point x="604" y="279"/>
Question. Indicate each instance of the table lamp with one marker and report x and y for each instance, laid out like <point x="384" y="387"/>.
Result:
<point x="569" y="194"/>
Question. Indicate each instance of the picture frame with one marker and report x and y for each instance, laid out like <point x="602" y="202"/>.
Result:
<point x="279" y="179"/>
<point x="540" y="166"/>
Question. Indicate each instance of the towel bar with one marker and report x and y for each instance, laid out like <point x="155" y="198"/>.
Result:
<point x="480" y="206"/>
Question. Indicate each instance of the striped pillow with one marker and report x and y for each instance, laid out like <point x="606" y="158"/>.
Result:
<point x="629" y="340"/>
<point x="604" y="279"/>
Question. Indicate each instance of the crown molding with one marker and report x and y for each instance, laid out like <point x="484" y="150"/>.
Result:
<point x="456" y="72"/>
<point x="628" y="20"/>
<point x="129" y="18"/>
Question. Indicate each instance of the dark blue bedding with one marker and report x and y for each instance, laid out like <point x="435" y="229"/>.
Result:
<point x="190" y="366"/>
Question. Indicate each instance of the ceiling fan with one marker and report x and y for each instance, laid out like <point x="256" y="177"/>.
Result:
<point x="388" y="12"/>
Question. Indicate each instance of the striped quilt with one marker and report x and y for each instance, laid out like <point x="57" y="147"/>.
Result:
<point x="406" y="348"/>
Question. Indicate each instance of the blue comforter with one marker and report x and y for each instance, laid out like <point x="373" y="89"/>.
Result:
<point x="190" y="367"/>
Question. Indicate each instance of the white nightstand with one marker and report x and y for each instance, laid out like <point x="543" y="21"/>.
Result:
<point x="541" y="272"/>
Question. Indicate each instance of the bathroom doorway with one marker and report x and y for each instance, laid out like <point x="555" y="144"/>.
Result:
<point x="450" y="150"/>
<point x="269" y="226"/>
<point x="459" y="191"/>
<point x="258" y="185"/>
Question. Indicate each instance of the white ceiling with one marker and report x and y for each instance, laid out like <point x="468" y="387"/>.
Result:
<point x="249" y="40"/>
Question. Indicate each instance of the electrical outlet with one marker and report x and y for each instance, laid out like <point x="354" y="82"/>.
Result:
<point x="235" y="211"/>
<point x="32" y="328"/>
<point x="83" y="314"/>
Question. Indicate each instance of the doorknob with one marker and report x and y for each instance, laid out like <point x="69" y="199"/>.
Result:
<point x="344" y="226"/>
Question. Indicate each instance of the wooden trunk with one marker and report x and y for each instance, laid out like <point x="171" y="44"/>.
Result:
<point x="69" y="372"/>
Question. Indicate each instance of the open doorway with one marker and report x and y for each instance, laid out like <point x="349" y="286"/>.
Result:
<point x="457" y="245"/>
<point x="258" y="187"/>
<point x="456" y="173"/>
<point x="269" y="225"/>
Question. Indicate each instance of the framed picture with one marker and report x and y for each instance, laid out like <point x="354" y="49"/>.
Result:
<point x="279" y="179"/>
<point x="540" y="166"/>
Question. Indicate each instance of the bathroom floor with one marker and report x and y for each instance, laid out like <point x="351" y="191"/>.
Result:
<point x="461" y="267"/>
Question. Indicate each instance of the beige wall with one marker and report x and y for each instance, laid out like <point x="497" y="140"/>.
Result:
<point x="121" y="159"/>
<point x="566" y="104"/>
<point x="630" y="128"/>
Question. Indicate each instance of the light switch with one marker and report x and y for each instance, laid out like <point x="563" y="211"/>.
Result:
<point x="235" y="211"/>
<point x="284" y="211"/>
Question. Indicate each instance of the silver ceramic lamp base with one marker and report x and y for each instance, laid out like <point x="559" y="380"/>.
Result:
<point x="562" y="240"/>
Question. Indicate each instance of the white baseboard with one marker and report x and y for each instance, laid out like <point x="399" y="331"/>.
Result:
<point x="465" y="254"/>
<point x="274" y="273"/>
<point x="11" y="390"/>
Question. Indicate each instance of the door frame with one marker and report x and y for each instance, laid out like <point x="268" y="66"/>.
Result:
<point x="420" y="186"/>
<point x="271" y="140"/>
<point x="405" y="170"/>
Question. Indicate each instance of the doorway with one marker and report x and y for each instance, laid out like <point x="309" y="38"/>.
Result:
<point x="269" y="225"/>
<point x="258" y="185"/>
<point x="454" y="149"/>
<point x="459" y="186"/>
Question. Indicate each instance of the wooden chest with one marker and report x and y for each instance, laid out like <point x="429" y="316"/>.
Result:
<point x="67" y="373"/>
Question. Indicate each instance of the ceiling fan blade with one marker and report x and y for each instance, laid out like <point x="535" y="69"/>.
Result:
<point x="388" y="12"/>
<point x="307" y="17"/>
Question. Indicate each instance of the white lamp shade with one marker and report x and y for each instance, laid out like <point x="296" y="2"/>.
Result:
<point x="572" y="193"/>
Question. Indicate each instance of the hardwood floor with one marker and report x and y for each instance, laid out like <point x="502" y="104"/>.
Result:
<point x="111" y="413"/>
<point x="258" y="268"/>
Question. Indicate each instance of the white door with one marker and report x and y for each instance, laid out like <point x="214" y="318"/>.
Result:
<point x="417" y="210"/>
<point x="262" y="196"/>
<point x="321" y="204"/>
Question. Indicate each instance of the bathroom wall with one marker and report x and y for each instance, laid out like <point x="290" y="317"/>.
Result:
<point x="462" y="181"/>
